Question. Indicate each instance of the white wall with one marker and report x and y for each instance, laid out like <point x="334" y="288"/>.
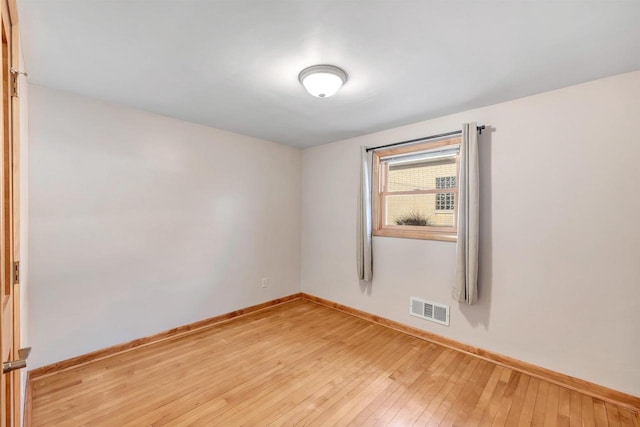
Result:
<point x="560" y="239"/>
<point x="140" y="223"/>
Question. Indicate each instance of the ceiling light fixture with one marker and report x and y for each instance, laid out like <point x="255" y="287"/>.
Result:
<point x="322" y="81"/>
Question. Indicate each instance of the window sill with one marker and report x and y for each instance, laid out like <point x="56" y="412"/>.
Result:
<point x="416" y="234"/>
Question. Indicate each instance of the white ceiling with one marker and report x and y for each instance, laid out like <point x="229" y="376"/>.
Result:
<point x="234" y="64"/>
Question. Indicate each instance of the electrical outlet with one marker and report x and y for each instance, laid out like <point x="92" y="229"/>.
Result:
<point x="264" y="282"/>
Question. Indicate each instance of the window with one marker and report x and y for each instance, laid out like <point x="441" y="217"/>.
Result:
<point x="415" y="190"/>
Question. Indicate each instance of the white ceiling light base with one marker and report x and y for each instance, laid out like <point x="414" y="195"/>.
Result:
<point x="322" y="81"/>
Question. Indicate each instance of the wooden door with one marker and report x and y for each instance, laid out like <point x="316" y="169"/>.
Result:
<point x="9" y="221"/>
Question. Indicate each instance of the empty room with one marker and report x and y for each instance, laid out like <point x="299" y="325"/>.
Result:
<point x="320" y="212"/>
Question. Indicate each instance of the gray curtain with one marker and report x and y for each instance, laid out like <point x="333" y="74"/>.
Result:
<point x="465" y="288"/>
<point x="364" y="256"/>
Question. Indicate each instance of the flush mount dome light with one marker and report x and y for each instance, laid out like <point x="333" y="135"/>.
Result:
<point x="322" y="81"/>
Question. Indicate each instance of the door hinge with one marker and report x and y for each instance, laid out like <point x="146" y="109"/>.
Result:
<point x="16" y="272"/>
<point x="14" y="81"/>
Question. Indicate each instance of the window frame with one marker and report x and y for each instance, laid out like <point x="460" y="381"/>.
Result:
<point x="447" y="234"/>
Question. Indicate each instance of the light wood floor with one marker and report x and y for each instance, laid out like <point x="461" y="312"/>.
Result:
<point x="304" y="364"/>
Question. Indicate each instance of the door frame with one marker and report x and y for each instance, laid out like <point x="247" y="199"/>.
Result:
<point x="10" y="404"/>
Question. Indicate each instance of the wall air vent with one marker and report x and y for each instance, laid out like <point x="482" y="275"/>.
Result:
<point x="428" y="310"/>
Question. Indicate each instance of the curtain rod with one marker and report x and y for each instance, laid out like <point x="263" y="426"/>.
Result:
<point x="440" y="135"/>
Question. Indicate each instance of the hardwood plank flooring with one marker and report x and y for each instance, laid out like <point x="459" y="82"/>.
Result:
<point x="301" y="363"/>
